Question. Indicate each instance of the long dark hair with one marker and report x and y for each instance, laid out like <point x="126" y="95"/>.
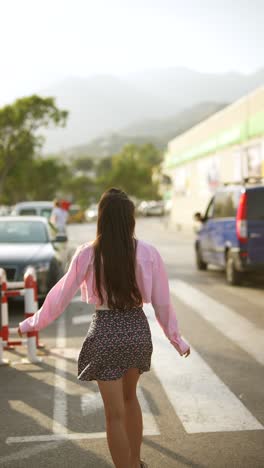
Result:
<point x="115" y="251"/>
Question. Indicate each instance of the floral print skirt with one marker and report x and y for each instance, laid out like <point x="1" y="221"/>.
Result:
<point x="116" y="341"/>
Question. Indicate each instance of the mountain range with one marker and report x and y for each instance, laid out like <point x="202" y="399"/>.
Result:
<point x="158" y="132"/>
<point x="155" y="104"/>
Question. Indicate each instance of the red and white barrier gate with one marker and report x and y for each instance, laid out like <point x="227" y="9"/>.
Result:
<point x="28" y="289"/>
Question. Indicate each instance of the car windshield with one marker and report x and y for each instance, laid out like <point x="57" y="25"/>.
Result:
<point x="24" y="232"/>
<point x="46" y="212"/>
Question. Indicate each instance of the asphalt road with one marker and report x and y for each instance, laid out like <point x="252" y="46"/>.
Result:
<point x="204" y="411"/>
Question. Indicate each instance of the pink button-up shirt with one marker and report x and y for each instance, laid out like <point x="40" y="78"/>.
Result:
<point x="151" y="278"/>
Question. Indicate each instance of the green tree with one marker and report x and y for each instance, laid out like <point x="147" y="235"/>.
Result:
<point x="20" y="137"/>
<point x="53" y="172"/>
<point x="82" y="190"/>
<point x="151" y="155"/>
<point x="38" y="179"/>
<point x="83" y="163"/>
<point x="132" y="171"/>
<point x="103" y="167"/>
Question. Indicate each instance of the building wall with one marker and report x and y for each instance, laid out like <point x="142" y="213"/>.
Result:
<point x="224" y="148"/>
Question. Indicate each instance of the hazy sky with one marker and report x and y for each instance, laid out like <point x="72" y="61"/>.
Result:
<point x="42" y="41"/>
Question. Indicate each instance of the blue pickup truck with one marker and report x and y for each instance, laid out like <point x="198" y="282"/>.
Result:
<point x="231" y="233"/>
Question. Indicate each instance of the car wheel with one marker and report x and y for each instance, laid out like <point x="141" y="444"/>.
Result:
<point x="201" y="265"/>
<point x="233" y="276"/>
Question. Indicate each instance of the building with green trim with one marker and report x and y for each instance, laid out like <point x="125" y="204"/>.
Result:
<point x="226" y="147"/>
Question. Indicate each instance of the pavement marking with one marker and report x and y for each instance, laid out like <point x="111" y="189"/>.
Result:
<point x="77" y="299"/>
<point x="81" y="319"/>
<point x="240" y="330"/>
<point x="67" y="353"/>
<point x="28" y="452"/>
<point x="60" y="430"/>
<point x="150" y="426"/>
<point x="53" y="437"/>
<point x="68" y="436"/>
<point x="30" y="412"/>
<point x="60" y="399"/>
<point x="92" y="402"/>
<point x="200" y="399"/>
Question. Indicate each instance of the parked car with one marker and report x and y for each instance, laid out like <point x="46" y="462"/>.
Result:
<point x="231" y="233"/>
<point x="167" y="206"/>
<point x="33" y="208"/>
<point x="91" y="213"/>
<point x="5" y="210"/>
<point x="76" y="214"/>
<point x="32" y="240"/>
<point x="151" y="208"/>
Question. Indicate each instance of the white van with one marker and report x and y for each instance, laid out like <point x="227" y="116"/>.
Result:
<point x="33" y="208"/>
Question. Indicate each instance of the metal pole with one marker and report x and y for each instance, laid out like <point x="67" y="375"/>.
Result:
<point x="30" y="309"/>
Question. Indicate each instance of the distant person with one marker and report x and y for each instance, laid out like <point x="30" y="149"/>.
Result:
<point x="117" y="273"/>
<point x="59" y="217"/>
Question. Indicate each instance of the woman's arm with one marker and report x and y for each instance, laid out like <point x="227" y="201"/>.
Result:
<point x="60" y="295"/>
<point x="164" y="310"/>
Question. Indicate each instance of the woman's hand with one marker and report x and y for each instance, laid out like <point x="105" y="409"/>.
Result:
<point x="19" y="332"/>
<point x="187" y="353"/>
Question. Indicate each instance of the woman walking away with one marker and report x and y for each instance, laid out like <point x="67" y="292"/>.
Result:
<point x="117" y="273"/>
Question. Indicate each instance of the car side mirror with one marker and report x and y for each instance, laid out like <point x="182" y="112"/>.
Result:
<point x="61" y="238"/>
<point x="198" y="217"/>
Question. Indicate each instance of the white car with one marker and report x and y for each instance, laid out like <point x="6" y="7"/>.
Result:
<point x="151" y="208"/>
<point x="33" y="208"/>
<point x="91" y="213"/>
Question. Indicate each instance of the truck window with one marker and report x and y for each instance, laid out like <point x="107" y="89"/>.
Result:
<point x="255" y="204"/>
<point x="226" y="204"/>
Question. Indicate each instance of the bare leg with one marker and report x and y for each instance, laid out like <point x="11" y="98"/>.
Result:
<point x="112" y="394"/>
<point x="133" y="414"/>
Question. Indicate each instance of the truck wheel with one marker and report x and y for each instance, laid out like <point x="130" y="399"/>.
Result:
<point x="233" y="276"/>
<point x="201" y="265"/>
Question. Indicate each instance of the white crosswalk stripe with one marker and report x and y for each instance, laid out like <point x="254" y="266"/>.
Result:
<point x="77" y="299"/>
<point x="78" y="319"/>
<point x="200" y="399"/>
<point x="92" y="402"/>
<point x="242" y="332"/>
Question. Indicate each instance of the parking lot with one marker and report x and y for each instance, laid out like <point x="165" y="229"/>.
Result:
<point x="206" y="411"/>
